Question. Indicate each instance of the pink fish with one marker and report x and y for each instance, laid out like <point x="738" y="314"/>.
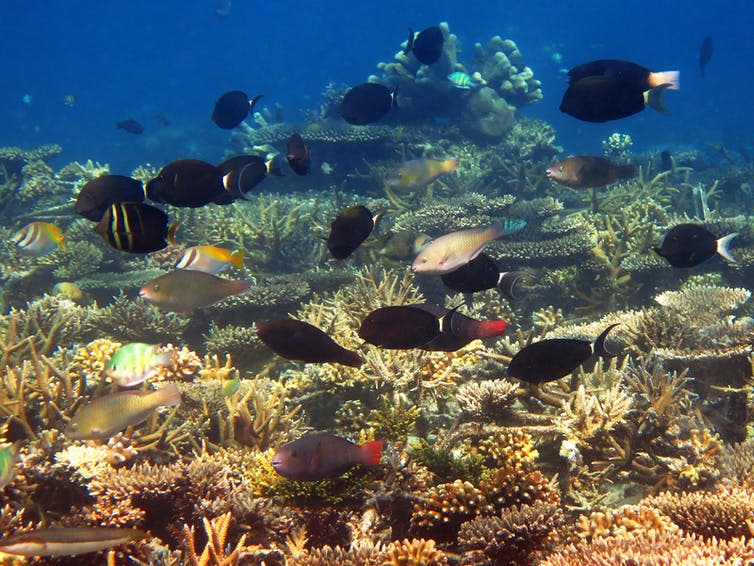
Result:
<point x="322" y="455"/>
<point x="452" y="251"/>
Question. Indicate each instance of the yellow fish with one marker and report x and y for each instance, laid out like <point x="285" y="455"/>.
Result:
<point x="106" y="416"/>
<point x="418" y="173"/>
<point x="210" y="259"/>
<point x="68" y="290"/>
<point x="39" y="238"/>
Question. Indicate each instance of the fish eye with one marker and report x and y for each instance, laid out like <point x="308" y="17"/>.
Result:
<point x="157" y="287"/>
<point x="560" y="168"/>
<point x="424" y="259"/>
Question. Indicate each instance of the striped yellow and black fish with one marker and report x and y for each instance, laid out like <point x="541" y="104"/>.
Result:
<point x="136" y="227"/>
<point x="39" y="238"/>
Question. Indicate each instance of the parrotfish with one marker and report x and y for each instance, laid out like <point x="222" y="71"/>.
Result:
<point x="367" y="103"/>
<point x="210" y="259"/>
<point x="462" y="80"/>
<point x="184" y="290"/>
<point x="136" y="362"/>
<point x="551" y="359"/>
<point x="688" y="245"/>
<point x="449" y="252"/>
<point x="300" y="341"/>
<point x="39" y="238"/>
<point x="416" y="174"/>
<point x="588" y="171"/>
<point x="480" y="274"/>
<point x="321" y="455"/>
<point x="108" y="415"/>
<point x="68" y="541"/>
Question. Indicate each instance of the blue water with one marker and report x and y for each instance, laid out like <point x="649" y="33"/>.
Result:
<point x="144" y="59"/>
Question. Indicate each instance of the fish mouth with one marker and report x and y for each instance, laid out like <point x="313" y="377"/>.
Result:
<point x="549" y="173"/>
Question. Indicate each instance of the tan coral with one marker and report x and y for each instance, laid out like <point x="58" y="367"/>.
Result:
<point x="415" y="552"/>
<point x="621" y="521"/>
<point x="488" y="399"/>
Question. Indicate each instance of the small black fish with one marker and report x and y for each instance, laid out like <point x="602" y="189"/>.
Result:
<point x="97" y="195"/>
<point x="666" y="160"/>
<point x="480" y="274"/>
<point x="705" y="53"/>
<point x="136" y="227"/>
<point x="186" y="182"/>
<point x="297" y="340"/>
<point x="349" y="230"/>
<point x="299" y="155"/>
<point x="367" y="103"/>
<point x="242" y="173"/>
<point x="131" y="126"/>
<point x="548" y="360"/>
<point x="688" y="245"/>
<point x="400" y="327"/>
<point x="232" y="108"/>
<point x="427" y="46"/>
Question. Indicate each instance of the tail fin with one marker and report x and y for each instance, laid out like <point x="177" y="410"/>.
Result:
<point x="168" y="396"/>
<point x="394" y="99"/>
<point x="253" y="101"/>
<point x="655" y="99"/>
<point x="723" y="247"/>
<point x="273" y="166"/>
<point x="371" y="452"/>
<point x="450" y="165"/>
<point x="508" y="281"/>
<point x="236" y="259"/>
<point x="670" y="78"/>
<point x="171" y="232"/>
<point x="513" y="225"/>
<point x="599" y="348"/>
<point x="61" y="243"/>
<point x="490" y="328"/>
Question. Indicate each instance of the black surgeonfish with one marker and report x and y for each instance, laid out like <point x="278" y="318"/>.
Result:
<point x="349" y="230"/>
<point x="705" y="54"/>
<point x="480" y="274"/>
<point x="551" y="359"/>
<point x="299" y="156"/>
<point x="427" y="46"/>
<point x="131" y="126"/>
<point x="232" y="108"/>
<point x="297" y="340"/>
<point x="240" y="174"/>
<point x="400" y="327"/>
<point x="186" y="182"/>
<point x="688" y="245"/>
<point x="627" y="72"/>
<point x="136" y="227"/>
<point x="97" y="195"/>
<point x="367" y="103"/>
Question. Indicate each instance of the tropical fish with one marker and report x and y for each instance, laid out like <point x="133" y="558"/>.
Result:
<point x="136" y="227"/>
<point x="186" y="182"/>
<point x="462" y="80"/>
<point x="297" y="340"/>
<point x="367" y="103"/>
<point x="457" y="330"/>
<point x="137" y="362"/>
<point x="605" y="98"/>
<point x="427" y="45"/>
<point x="349" y="230"/>
<point x="587" y="171"/>
<point x="449" y="252"/>
<point x="299" y="155"/>
<point x="418" y="173"/>
<point x="184" y="290"/>
<point x="68" y="541"/>
<point x="99" y="194"/>
<point x="8" y="465"/>
<point x="230" y="386"/>
<point x="404" y="245"/>
<point x="210" y="259"/>
<point x="630" y="74"/>
<point x="705" y="54"/>
<point x="322" y="455"/>
<point x="232" y="108"/>
<point x="39" y="238"/>
<point x="480" y="274"/>
<point x="688" y="245"/>
<point x="400" y="327"/>
<point x="131" y="126"/>
<point x="548" y="360"/>
<point x="110" y="414"/>
<point x="69" y="290"/>
<point x="242" y="173"/>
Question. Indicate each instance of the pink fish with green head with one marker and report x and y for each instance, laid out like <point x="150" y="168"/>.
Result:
<point x="452" y="251"/>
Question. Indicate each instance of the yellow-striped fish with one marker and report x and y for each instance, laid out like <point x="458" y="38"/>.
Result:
<point x="108" y="415"/>
<point x="68" y="541"/>
<point x="210" y="259"/>
<point x="40" y="238"/>
<point x="418" y="173"/>
<point x="451" y="251"/>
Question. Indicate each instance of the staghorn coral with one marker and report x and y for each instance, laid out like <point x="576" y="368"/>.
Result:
<point x="138" y="321"/>
<point x="215" y="552"/>
<point x="413" y="552"/>
<point x="487" y="400"/>
<point x="513" y="537"/>
<point x="627" y="519"/>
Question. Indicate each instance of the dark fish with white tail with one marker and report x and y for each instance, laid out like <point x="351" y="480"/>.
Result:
<point x="480" y="274"/>
<point x="349" y="230"/>
<point x="367" y="103"/>
<point x="688" y="245"/>
<point x="232" y="108"/>
<point x="321" y="455"/>
<point x="551" y="359"/>
<point x="426" y="45"/>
